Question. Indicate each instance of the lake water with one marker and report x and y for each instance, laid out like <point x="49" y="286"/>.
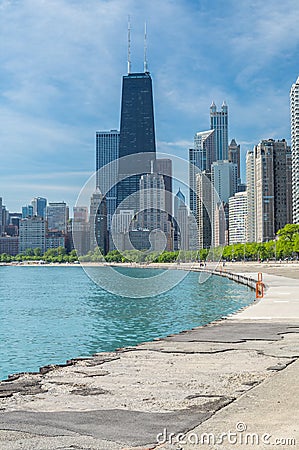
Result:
<point x="51" y="314"/>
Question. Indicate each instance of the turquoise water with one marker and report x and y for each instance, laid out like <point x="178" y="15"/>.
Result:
<point x="51" y="314"/>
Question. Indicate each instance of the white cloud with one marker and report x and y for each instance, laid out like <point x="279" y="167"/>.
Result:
<point x="182" y="143"/>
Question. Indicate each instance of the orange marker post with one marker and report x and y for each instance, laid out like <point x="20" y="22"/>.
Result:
<point x="259" y="289"/>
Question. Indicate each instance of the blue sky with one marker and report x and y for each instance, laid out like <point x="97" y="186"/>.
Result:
<point x="61" y="64"/>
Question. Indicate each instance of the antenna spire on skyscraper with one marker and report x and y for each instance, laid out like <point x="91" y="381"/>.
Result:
<point x="129" y="45"/>
<point x="145" y="50"/>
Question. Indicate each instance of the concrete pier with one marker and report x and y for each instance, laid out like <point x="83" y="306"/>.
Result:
<point x="232" y="380"/>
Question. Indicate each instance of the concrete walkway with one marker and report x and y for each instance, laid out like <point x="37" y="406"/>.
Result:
<point x="238" y="373"/>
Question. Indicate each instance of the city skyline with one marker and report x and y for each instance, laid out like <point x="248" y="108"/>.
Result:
<point x="55" y="93"/>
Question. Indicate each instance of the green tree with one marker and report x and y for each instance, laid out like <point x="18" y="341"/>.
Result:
<point x="288" y="232"/>
<point x="73" y="256"/>
<point x="61" y="251"/>
<point x="270" y="249"/>
<point x="296" y="245"/>
<point x="203" y="253"/>
<point x="287" y="240"/>
<point x="37" y="252"/>
<point x="227" y="253"/>
<point x="5" y="258"/>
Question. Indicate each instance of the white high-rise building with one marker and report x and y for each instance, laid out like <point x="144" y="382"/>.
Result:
<point x="32" y="234"/>
<point x="122" y="221"/>
<point x="81" y="230"/>
<point x="294" y="104"/>
<point x="183" y="223"/>
<point x="121" y="224"/>
<point x="238" y="218"/>
<point x="250" y="181"/>
<point x="220" y="221"/>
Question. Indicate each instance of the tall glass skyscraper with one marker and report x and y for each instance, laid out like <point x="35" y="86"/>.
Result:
<point x="201" y="157"/>
<point x="294" y="103"/>
<point x="57" y="216"/>
<point x="107" y="151"/>
<point x="39" y="206"/>
<point x="27" y="211"/>
<point x="219" y="123"/>
<point x="225" y="183"/>
<point x="137" y="133"/>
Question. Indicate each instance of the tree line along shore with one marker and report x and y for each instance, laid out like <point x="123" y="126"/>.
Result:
<point x="285" y="246"/>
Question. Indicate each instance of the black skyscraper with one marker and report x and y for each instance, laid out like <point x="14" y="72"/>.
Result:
<point x="137" y="133"/>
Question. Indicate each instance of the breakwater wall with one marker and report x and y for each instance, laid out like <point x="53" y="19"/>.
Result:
<point x="249" y="281"/>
